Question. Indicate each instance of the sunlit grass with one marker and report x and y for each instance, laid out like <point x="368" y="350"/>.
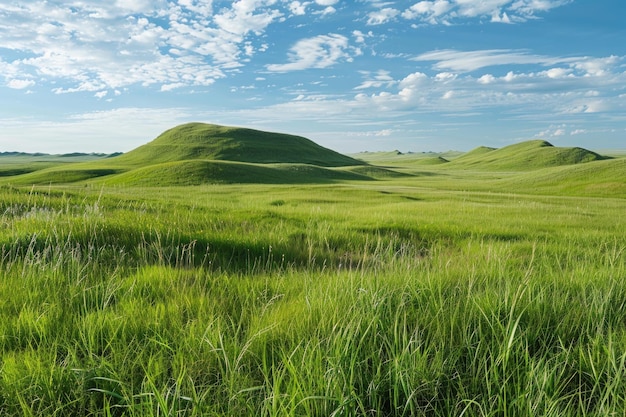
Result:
<point x="353" y="299"/>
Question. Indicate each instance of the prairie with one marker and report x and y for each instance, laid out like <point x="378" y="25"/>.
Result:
<point x="439" y="291"/>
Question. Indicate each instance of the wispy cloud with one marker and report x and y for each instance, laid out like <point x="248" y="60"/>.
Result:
<point x="375" y="80"/>
<point x="465" y="61"/>
<point x="318" y="52"/>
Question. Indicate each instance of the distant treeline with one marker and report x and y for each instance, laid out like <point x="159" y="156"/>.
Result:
<point x="66" y="155"/>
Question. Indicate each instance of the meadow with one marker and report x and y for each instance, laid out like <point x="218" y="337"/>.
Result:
<point x="409" y="287"/>
<point x="397" y="297"/>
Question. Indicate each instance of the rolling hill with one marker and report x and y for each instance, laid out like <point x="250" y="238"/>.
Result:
<point x="603" y="178"/>
<point x="524" y="156"/>
<point x="196" y="172"/>
<point x="197" y="153"/>
<point x="203" y="141"/>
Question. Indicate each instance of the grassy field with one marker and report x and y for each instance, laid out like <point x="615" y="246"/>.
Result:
<point x="396" y="297"/>
<point x="417" y="285"/>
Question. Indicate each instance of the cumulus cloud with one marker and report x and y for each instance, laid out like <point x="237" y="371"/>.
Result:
<point x="318" y="52"/>
<point x="94" y="46"/>
<point x="487" y="79"/>
<point x="556" y="73"/>
<point x="498" y="11"/>
<point x="553" y="132"/>
<point x="298" y="8"/>
<point x="360" y="37"/>
<point x="244" y="17"/>
<point x="382" y="16"/>
<point x="20" y="84"/>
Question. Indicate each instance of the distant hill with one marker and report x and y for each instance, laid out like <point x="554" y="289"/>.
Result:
<point x="19" y="163"/>
<point x="397" y="158"/>
<point x="194" y="141"/>
<point x="481" y="150"/>
<point x="199" y="153"/>
<point x="606" y="178"/>
<point x="524" y="156"/>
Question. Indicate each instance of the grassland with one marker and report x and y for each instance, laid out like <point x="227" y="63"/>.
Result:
<point x="436" y="292"/>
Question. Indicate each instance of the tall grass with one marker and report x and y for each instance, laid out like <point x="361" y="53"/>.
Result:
<point x="232" y="301"/>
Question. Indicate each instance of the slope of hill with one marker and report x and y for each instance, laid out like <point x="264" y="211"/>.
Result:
<point x="212" y="142"/>
<point x="196" y="172"/>
<point x="64" y="174"/>
<point x="524" y="156"/>
<point x="476" y="152"/>
<point x="605" y="178"/>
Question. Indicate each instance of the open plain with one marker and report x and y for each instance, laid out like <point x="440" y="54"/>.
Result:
<point x="491" y="283"/>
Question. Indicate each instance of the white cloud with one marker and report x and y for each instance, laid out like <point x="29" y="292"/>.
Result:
<point x="487" y="79"/>
<point x="597" y="66"/>
<point x="328" y="10"/>
<point x="474" y="8"/>
<point x="20" y="84"/>
<point x="445" y="77"/>
<point x="359" y="37"/>
<point x="499" y="11"/>
<point x="87" y="46"/>
<point x="382" y="16"/>
<point x="531" y="7"/>
<point x="556" y="73"/>
<point x="497" y="17"/>
<point x="379" y="79"/>
<point x="413" y="79"/>
<point x="462" y="61"/>
<point x="241" y="18"/>
<point x="318" y="52"/>
<point x="372" y="133"/>
<point x="326" y="2"/>
<point x="553" y="132"/>
<point x="429" y="11"/>
<point x="585" y="106"/>
<point x="298" y="8"/>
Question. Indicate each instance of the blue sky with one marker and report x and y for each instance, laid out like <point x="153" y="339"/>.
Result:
<point x="363" y="75"/>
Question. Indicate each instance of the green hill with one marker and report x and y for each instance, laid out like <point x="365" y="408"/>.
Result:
<point x="222" y="143"/>
<point x="606" y="178"/>
<point x="476" y="152"/>
<point x="524" y="156"/>
<point x="196" y="172"/>
<point x="63" y="174"/>
<point x="197" y="153"/>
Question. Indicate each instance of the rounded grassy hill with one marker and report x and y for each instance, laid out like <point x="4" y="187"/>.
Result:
<point x="525" y="156"/>
<point x="199" y="153"/>
<point x="204" y="141"/>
